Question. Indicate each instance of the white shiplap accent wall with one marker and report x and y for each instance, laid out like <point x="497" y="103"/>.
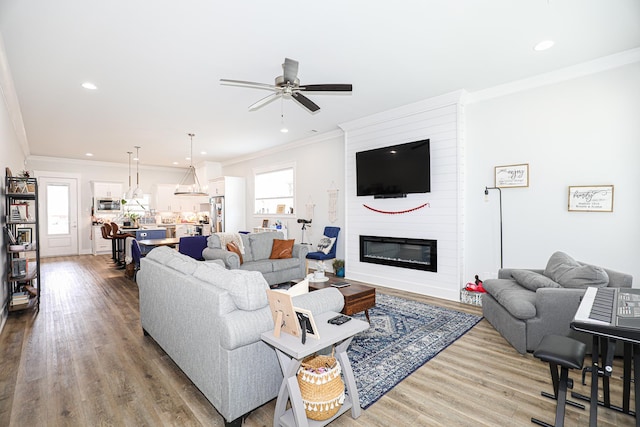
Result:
<point x="439" y="119"/>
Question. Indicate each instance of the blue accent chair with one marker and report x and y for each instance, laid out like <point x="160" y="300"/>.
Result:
<point x="321" y="256"/>
<point x="193" y="246"/>
<point x="136" y="254"/>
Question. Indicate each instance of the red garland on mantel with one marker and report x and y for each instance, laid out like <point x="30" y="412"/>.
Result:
<point x="396" y="212"/>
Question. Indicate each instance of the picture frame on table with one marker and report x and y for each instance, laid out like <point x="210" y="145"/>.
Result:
<point x="280" y="209"/>
<point x="511" y="176"/>
<point x="590" y="198"/>
<point x="23" y="235"/>
<point x="305" y="317"/>
<point x="265" y="223"/>
<point x="284" y="317"/>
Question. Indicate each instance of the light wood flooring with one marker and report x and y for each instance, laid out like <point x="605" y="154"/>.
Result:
<point x="83" y="361"/>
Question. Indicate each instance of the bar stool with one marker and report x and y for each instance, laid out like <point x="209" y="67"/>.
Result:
<point x="566" y="353"/>
<point x="119" y="239"/>
<point x="106" y="233"/>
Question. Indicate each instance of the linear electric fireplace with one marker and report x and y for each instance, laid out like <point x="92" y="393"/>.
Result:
<point x="418" y="254"/>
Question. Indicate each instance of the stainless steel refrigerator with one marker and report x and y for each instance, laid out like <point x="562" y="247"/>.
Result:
<point x="217" y="214"/>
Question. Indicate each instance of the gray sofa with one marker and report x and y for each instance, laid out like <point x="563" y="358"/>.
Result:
<point x="526" y="305"/>
<point x="209" y="319"/>
<point x="257" y="249"/>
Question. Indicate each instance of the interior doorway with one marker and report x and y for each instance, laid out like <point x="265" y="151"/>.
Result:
<point x="58" y="198"/>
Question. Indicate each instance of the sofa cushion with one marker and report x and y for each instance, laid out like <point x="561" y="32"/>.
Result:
<point x="247" y="288"/>
<point x="173" y="259"/>
<point x="285" y="264"/>
<point x="264" y="266"/>
<point x="518" y="301"/>
<point x="569" y="273"/>
<point x="232" y="247"/>
<point x="262" y="243"/>
<point x="281" y="249"/>
<point x="532" y="280"/>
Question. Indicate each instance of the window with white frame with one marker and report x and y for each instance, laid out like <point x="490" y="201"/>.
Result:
<point x="274" y="191"/>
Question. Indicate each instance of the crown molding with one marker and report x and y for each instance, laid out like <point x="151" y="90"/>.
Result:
<point x="115" y="165"/>
<point x="604" y="63"/>
<point x="338" y="133"/>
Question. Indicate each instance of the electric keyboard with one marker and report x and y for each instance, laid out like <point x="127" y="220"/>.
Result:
<point x="611" y="312"/>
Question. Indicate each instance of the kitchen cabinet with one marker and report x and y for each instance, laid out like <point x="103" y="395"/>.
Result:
<point x="166" y="201"/>
<point x="107" y="190"/>
<point x="99" y="245"/>
<point x="232" y="188"/>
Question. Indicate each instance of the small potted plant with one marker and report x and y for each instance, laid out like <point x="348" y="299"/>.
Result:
<point x="338" y="267"/>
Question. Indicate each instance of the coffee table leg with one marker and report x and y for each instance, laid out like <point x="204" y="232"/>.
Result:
<point x="366" y="313"/>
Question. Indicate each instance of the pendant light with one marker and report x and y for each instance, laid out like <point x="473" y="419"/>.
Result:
<point x="190" y="179"/>
<point x="137" y="193"/>
<point x="129" y="194"/>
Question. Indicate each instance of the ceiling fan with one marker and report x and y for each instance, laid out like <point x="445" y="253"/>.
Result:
<point x="288" y="86"/>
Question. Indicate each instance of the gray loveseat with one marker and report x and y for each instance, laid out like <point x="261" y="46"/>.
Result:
<point x="209" y="319"/>
<point x="526" y="305"/>
<point x="257" y="249"/>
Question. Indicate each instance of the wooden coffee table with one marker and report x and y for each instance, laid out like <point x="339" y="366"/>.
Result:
<point x="357" y="297"/>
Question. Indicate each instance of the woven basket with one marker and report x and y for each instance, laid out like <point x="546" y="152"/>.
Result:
<point x="321" y="386"/>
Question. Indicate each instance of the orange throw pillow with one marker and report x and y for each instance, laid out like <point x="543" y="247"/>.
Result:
<point x="232" y="247"/>
<point x="281" y="249"/>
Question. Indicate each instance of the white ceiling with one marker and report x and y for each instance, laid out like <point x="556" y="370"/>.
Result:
<point x="157" y="64"/>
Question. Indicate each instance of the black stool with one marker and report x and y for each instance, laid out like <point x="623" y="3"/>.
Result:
<point x="568" y="354"/>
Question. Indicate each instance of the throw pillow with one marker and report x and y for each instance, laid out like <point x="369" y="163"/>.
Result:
<point x="325" y="244"/>
<point x="232" y="247"/>
<point x="566" y="271"/>
<point x="532" y="280"/>
<point x="281" y="249"/>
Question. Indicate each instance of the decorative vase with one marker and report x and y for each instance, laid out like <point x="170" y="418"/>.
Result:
<point x="340" y="272"/>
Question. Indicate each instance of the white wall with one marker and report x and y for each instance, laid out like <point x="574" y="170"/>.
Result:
<point x="439" y="120"/>
<point x="319" y="163"/>
<point x="584" y="131"/>
<point x="12" y="155"/>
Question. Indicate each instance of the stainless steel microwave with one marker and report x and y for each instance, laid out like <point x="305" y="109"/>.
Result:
<point x="107" y="205"/>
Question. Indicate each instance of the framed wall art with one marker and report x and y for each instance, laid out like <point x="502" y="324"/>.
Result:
<point x="593" y="198"/>
<point x="23" y="235"/>
<point x="512" y="176"/>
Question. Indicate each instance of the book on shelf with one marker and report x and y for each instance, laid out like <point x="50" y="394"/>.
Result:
<point x="19" y="267"/>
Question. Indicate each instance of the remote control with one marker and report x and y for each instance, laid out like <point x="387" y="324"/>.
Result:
<point x="339" y="320"/>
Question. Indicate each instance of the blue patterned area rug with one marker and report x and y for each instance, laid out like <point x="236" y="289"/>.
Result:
<point x="403" y="336"/>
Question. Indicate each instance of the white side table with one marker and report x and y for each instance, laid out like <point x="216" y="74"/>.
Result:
<point x="291" y="351"/>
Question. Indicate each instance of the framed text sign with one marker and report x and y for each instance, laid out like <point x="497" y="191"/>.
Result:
<point x="512" y="176"/>
<point x="594" y="198"/>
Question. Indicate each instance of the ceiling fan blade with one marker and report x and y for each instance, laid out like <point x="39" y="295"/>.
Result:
<point x="243" y="83"/>
<point x="290" y="70"/>
<point x="327" y="88"/>
<point x="264" y="101"/>
<point x="305" y="102"/>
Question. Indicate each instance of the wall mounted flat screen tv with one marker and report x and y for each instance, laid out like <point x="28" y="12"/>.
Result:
<point x="394" y="171"/>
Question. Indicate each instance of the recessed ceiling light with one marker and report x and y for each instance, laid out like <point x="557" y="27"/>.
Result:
<point x="175" y="163"/>
<point x="89" y="154"/>
<point x="204" y="153"/>
<point x="544" y="45"/>
<point x="187" y="158"/>
<point x="89" y="85"/>
<point x="284" y="130"/>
